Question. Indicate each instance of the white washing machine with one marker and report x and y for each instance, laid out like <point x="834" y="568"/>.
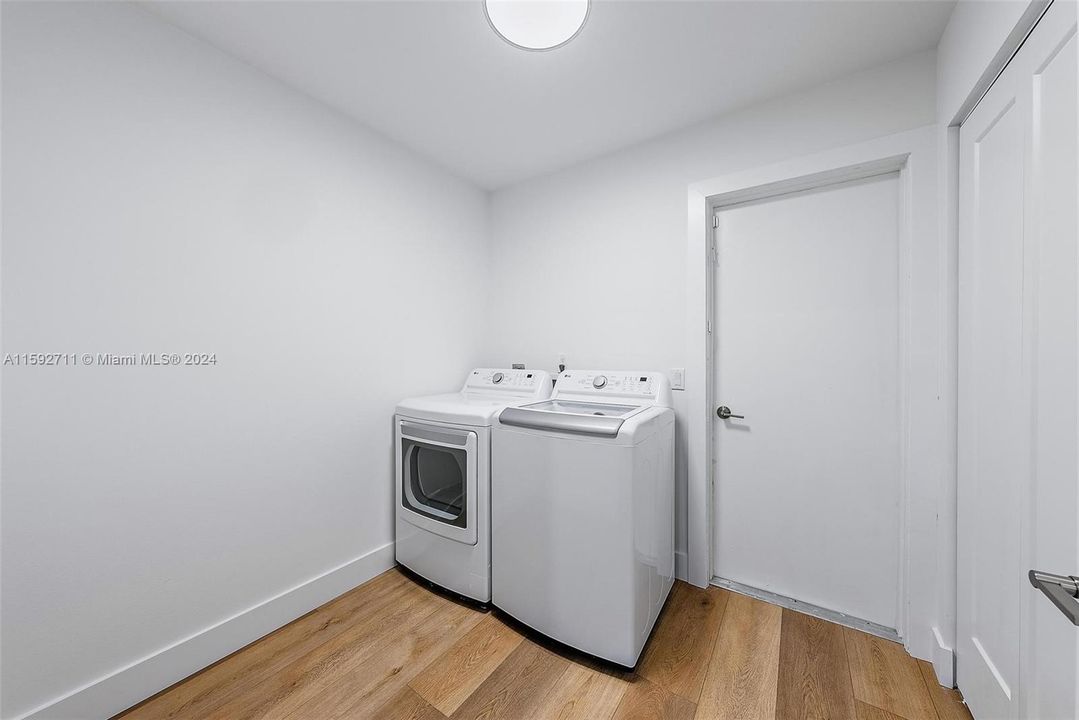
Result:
<point x="443" y="526"/>
<point x="582" y="508"/>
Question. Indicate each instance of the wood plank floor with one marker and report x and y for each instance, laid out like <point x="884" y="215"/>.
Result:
<point x="394" y="650"/>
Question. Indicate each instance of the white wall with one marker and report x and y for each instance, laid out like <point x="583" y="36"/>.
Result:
<point x="163" y="197"/>
<point x="625" y="216"/>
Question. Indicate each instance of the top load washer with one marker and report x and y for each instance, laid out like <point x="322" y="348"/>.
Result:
<point x="443" y="526"/>
<point x="583" y="511"/>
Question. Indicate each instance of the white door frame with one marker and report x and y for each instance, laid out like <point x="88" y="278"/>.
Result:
<point x="927" y="362"/>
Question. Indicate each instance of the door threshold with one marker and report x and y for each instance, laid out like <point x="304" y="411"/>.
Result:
<point x="833" y="616"/>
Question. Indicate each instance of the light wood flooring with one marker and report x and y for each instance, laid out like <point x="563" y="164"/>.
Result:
<point x="392" y="649"/>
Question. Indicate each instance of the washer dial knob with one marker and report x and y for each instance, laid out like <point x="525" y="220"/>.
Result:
<point x="599" y="382"/>
<point x="497" y="378"/>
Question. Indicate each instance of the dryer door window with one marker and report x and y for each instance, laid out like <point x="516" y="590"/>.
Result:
<point x="435" y="481"/>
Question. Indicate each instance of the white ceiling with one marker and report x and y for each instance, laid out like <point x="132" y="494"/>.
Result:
<point x="435" y="77"/>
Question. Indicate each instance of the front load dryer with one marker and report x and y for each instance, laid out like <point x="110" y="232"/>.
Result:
<point x="583" y="511"/>
<point x="443" y="461"/>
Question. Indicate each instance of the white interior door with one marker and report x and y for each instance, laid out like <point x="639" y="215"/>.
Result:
<point x="807" y="349"/>
<point x="1018" y="390"/>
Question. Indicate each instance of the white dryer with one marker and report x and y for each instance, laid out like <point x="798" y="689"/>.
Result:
<point x="443" y="524"/>
<point x="583" y="511"/>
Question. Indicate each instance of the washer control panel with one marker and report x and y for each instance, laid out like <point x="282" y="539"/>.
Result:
<point x="623" y="384"/>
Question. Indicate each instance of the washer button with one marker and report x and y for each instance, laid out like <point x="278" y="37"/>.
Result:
<point x="496" y="378"/>
<point x="599" y="382"/>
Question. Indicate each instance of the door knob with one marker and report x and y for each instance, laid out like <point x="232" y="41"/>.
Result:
<point x="724" y="412"/>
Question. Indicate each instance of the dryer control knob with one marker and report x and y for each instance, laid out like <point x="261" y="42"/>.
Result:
<point x="496" y="378"/>
<point x="600" y="381"/>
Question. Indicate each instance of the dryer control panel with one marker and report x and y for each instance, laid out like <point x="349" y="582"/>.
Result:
<point x="645" y="388"/>
<point x="524" y="383"/>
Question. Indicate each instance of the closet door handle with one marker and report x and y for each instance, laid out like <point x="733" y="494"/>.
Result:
<point x="1062" y="590"/>
<point x="725" y="413"/>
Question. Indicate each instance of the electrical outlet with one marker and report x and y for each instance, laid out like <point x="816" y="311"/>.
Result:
<point x="678" y="378"/>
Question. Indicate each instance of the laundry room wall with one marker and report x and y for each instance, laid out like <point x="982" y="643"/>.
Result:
<point x="591" y="261"/>
<point x="162" y="197"/>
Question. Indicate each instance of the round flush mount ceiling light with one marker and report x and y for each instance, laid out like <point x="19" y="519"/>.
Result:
<point x="537" y="24"/>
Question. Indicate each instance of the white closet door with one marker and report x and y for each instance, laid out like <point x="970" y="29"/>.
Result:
<point x="1018" y="368"/>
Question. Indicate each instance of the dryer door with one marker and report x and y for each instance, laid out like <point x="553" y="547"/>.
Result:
<point x="436" y="472"/>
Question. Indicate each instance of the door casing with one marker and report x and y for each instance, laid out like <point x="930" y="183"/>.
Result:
<point x="927" y="357"/>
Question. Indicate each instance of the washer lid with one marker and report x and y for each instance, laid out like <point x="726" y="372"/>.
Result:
<point x="585" y="418"/>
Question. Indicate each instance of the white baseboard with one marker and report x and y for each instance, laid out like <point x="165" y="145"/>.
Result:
<point x="129" y="685"/>
<point x="681" y="565"/>
<point x="943" y="660"/>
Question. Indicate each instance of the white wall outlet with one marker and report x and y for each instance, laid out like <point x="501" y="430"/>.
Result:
<point x="678" y="378"/>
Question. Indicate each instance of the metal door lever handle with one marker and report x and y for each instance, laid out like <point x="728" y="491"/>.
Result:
<point x="725" y="412"/>
<point x="1062" y="590"/>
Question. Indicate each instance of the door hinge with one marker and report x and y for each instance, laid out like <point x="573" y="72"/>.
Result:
<point x="714" y="249"/>
<point x="708" y="325"/>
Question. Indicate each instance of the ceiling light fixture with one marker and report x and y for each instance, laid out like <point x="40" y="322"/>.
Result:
<point x="537" y="24"/>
